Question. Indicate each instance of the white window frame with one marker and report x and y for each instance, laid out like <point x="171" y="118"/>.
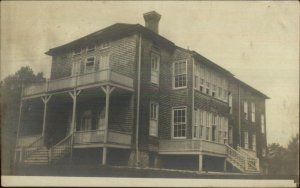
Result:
<point x="262" y="121"/>
<point x="85" y="63"/>
<point x="154" y="108"/>
<point x="196" y="123"/>
<point x="246" y="110"/>
<point x="102" y="46"/>
<point x="155" y="73"/>
<point x="76" y="66"/>
<point x="254" y="142"/>
<point x="91" y="48"/>
<point x="246" y="140"/>
<point x="173" y="124"/>
<point x="252" y="111"/>
<point x="75" y="52"/>
<point x="174" y="76"/>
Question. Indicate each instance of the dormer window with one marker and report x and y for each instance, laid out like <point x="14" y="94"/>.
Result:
<point x="77" y="52"/>
<point x="90" y="48"/>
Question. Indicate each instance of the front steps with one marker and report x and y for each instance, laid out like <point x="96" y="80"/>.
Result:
<point x="39" y="157"/>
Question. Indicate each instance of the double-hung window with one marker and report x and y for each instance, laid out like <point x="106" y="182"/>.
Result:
<point x="246" y="139"/>
<point x="201" y="116"/>
<point x="254" y="142"/>
<point x="230" y="135"/>
<point x="245" y="109"/>
<point x="262" y="119"/>
<point x="89" y="65"/>
<point x="230" y="103"/>
<point x="179" y="122"/>
<point x="153" y="130"/>
<point x="180" y="74"/>
<point x="155" y="61"/>
<point x="76" y="68"/>
<point x="253" y="112"/>
<point x="196" y="123"/>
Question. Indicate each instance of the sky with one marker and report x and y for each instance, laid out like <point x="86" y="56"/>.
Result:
<point x="256" y="41"/>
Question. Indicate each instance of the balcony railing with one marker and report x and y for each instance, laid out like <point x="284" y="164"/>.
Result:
<point x="97" y="136"/>
<point x="106" y="75"/>
<point x="188" y="145"/>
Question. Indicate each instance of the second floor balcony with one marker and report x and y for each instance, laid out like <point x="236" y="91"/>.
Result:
<point x="83" y="80"/>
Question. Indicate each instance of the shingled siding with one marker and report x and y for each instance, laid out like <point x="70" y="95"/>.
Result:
<point x="247" y="125"/>
<point x="170" y="97"/>
<point x="121" y="113"/>
<point x="122" y="54"/>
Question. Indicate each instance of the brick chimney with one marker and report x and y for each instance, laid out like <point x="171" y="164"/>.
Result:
<point x="151" y="20"/>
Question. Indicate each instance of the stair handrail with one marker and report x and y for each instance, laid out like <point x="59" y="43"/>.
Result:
<point x="236" y="157"/>
<point x="250" y="158"/>
<point x="60" y="148"/>
<point x="34" y="146"/>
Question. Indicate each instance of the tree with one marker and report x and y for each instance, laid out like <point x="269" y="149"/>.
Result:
<point x="276" y="159"/>
<point x="11" y="88"/>
<point x="293" y="156"/>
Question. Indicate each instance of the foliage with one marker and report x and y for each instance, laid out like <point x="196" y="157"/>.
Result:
<point x="11" y="88"/>
<point x="284" y="161"/>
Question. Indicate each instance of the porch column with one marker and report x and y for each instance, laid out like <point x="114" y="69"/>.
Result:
<point x="200" y="163"/>
<point x="18" y="131"/>
<point x="73" y="95"/>
<point x="107" y="90"/>
<point x="45" y="100"/>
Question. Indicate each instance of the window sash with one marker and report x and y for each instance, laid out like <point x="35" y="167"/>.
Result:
<point x="254" y="142"/>
<point x="180" y="74"/>
<point x="253" y="112"/>
<point x="246" y="140"/>
<point x="155" y="63"/>
<point x="262" y="117"/>
<point x="179" y="122"/>
<point x="90" y="64"/>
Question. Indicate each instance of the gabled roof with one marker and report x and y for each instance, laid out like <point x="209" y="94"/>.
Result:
<point x="114" y="31"/>
<point x="243" y="84"/>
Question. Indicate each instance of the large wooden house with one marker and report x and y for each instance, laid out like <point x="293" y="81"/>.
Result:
<point x="126" y="95"/>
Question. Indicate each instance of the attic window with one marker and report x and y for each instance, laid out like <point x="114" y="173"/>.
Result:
<point x="90" y="48"/>
<point x="77" y="52"/>
<point x="104" y="45"/>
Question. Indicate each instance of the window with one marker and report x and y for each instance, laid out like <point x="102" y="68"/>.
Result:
<point x="202" y="85"/>
<point x="77" y="52"/>
<point x="180" y="74"/>
<point x="90" y="48"/>
<point x="225" y="137"/>
<point x="155" y="60"/>
<point x="207" y="88"/>
<point x="254" y="142"/>
<point x="230" y="135"/>
<point x="207" y="133"/>
<point x="213" y="133"/>
<point x="86" y="121"/>
<point x="230" y="103"/>
<point x="104" y="45"/>
<point x="153" y="130"/>
<point x="196" y="123"/>
<point x="246" y="146"/>
<point x="90" y="64"/>
<point x="195" y="82"/>
<point x="104" y="62"/>
<point x="262" y="119"/>
<point x="220" y="92"/>
<point x="245" y="109"/>
<point x="253" y="112"/>
<point x="213" y="92"/>
<point x="101" y="120"/>
<point x="179" y="122"/>
<point x="201" y="115"/>
<point x="225" y="95"/>
<point x="75" y="68"/>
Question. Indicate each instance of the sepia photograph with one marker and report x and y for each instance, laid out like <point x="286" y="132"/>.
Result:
<point x="150" y="93"/>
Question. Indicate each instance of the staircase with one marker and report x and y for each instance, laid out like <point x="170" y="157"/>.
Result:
<point x="242" y="160"/>
<point x="38" y="157"/>
<point x="37" y="154"/>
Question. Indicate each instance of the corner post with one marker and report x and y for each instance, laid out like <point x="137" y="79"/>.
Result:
<point x="107" y="90"/>
<point x="200" y="169"/>
<point x="45" y="100"/>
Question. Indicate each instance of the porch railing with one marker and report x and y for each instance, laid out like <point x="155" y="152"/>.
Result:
<point x="24" y="141"/>
<point x="103" y="75"/>
<point x="33" y="147"/>
<point x="60" y="149"/>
